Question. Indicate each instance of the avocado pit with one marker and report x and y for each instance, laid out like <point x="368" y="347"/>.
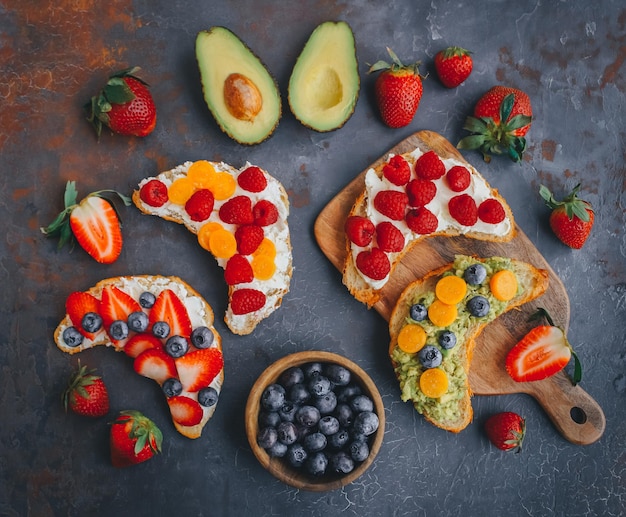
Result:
<point x="242" y="97"/>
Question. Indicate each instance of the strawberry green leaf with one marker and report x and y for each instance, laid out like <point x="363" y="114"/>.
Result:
<point x="506" y="107"/>
<point x="476" y="125"/>
<point x="471" y="142"/>
<point x="117" y="91"/>
<point x="578" y="369"/>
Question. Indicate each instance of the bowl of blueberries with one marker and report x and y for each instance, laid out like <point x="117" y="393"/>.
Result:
<point x="315" y="420"/>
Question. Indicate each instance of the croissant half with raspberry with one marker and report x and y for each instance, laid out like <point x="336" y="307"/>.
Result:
<point x="240" y="217"/>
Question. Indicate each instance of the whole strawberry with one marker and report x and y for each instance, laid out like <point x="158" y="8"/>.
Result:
<point x="134" y="439"/>
<point x="453" y="66"/>
<point x="502" y="117"/>
<point x="398" y="90"/>
<point x="506" y="430"/>
<point x="571" y="219"/>
<point x="86" y="394"/>
<point x="125" y="105"/>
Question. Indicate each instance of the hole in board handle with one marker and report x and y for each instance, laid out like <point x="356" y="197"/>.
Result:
<point x="578" y="415"/>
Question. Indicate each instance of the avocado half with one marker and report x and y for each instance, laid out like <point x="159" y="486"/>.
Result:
<point x="324" y="84"/>
<point x="241" y="94"/>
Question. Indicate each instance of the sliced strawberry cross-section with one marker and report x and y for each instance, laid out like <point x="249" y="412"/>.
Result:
<point x="155" y="364"/>
<point x="141" y="342"/>
<point x="196" y="370"/>
<point x="77" y="305"/>
<point x="185" y="411"/>
<point x="169" y="308"/>
<point x="116" y="305"/>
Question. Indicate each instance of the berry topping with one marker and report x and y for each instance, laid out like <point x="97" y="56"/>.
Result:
<point x="421" y="221"/>
<point x="244" y="301"/>
<point x="91" y="322"/>
<point x="360" y="230"/>
<point x="458" y="178"/>
<point x="374" y="264"/>
<point x="265" y="213"/>
<point x="160" y="329"/>
<point x="429" y="166"/>
<point x="170" y="309"/>
<point x="249" y="237"/>
<point x="238" y="270"/>
<point x="155" y="364"/>
<point x="420" y="192"/>
<point x="141" y="342"/>
<point x="389" y="238"/>
<point x="154" y="193"/>
<point x="397" y="170"/>
<point x="147" y="299"/>
<point x="237" y="210"/>
<point x="172" y="387"/>
<point x="202" y="337"/>
<point x="176" y="346"/>
<point x="208" y="397"/>
<point x="475" y="274"/>
<point x="252" y="179"/>
<point x="200" y="205"/>
<point x="391" y="203"/>
<point x="446" y="339"/>
<point x="418" y="312"/>
<point x="491" y="211"/>
<point x="118" y="330"/>
<point x="185" y="411"/>
<point x="138" y="321"/>
<point x="478" y="306"/>
<point x="463" y="209"/>
<point x="411" y="338"/>
<point x="197" y="369"/>
<point x="71" y="337"/>
<point x="430" y="356"/>
<point x="79" y="304"/>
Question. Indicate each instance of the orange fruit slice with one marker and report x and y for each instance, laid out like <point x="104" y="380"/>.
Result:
<point x="222" y="185"/>
<point x="441" y="314"/>
<point x="451" y="289"/>
<point x="222" y="243"/>
<point x="205" y="232"/>
<point x="266" y="249"/>
<point x="503" y="285"/>
<point x="180" y="190"/>
<point x="411" y="338"/>
<point x="263" y="267"/>
<point x="201" y="173"/>
<point x="434" y="383"/>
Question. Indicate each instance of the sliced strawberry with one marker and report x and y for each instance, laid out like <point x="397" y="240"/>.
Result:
<point x="140" y="343"/>
<point x="185" y="411"/>
<point x="155" y="364"/>
<point x="116" y="305"/>
<point x="96" y="227"/>
<point x="541" y="353"/>
<point x="77" y="305"/>
<point x="196" y="370"/>
<point x="169" y="308"/>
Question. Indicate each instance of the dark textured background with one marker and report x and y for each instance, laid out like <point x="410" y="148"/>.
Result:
<point x="568" y="56"/>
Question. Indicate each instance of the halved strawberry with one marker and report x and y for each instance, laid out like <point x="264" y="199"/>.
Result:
<point x="196" y="370"/>
<point x="115" y="305"/>
<point x="77" y="305"/>
<point x="170" y="309"/>
<point x="155" y="364"/>
<point x="140" y="343"/>
<point x="185" y="411"/>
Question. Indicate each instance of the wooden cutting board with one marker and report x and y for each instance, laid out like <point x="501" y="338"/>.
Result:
<point x="575" y="413"/>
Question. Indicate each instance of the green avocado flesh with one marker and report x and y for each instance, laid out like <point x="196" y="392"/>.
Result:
<point x="324" y="84"/>
<point x="239" y="91"/>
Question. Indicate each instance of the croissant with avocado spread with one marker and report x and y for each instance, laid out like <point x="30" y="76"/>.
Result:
<point x="435" y="322"/>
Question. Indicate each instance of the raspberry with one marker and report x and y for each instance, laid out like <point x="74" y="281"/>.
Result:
<point x="421" y="192"/>
<point x="429" y="166"/>
<point x="200" y="205"/>
<point x="154" y="193"/>
<point x="244" y="301"/>
<point x="391" y="203"/>
<point x="248" y="237"/>
<point x="238" y="270"/>
<point x="491" y="211"/>
<point x="422" y="221"/>
<point x="265" y="213"/>
<point x="373" y="264"/>
<point x="237" y="210"/>
<point x="458" y="178"/>
<point x="359" y="230"/>
<point x="389" y="238"/>
<point x="397" y="170"/>
<point x="463" y="209"/>
<point x="252" y="179"/>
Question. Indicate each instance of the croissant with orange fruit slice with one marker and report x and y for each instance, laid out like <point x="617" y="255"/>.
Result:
<point x="435" y="323"/>
<point x="240" y="217"/>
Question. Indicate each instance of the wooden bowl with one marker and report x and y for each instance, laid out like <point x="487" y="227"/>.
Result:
<point x="278" y="466"/>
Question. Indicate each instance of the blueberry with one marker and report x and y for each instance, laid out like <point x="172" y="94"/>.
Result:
<point x="278" y="450"/>
<point x="202" y="337"/>
<point x="430" y="356"/>
<point x="287" y="432"/>
<point x="315" y="442"/>
<point x="475" y="274"/>
<point x="307" y="416"/>
<point x="172" y="387"/>
<point x="446" y="339"/>
<point x="91" y="322"/>
<point x="287" y="412"/>
<point x="296" y="455"/>
<point x="147" y="299"/>
<point x="138" y="321"/>
<point x="361" y="403"/>
<point x="366" y="423"/>
<point x="478" y="306"/>
<point x="316" y="464"/>
<point x="291" y="376"/>
<point x="326" y="403"/>
<point x="208" y="397"/>
<point x="72" y="337"/>
<point x="344" y="414"/>
<point x="418" y="312"/>
<point x="299" y="393"/>
<point x="341" y="463"/>
<point x="328" y="425"/>
<point x="269" y="419"/>
<point x="339" y="439"/>
<point x="176" y="346"/>
<point x="359" y="451"/>
<point x="311" y="370"/>
<point x="345" y="393"/>
<point x="161" y="329"/>
<point x="319" y="385"/>
<point x="273" y="397"/>
<point x="118" y="330"/>
<point x="304" y="431"/>
<point x="337" y="374"/>
<point x="267" y="437"/>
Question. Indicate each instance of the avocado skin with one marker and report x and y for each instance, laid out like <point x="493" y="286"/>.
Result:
<point x="219" y="46"/>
